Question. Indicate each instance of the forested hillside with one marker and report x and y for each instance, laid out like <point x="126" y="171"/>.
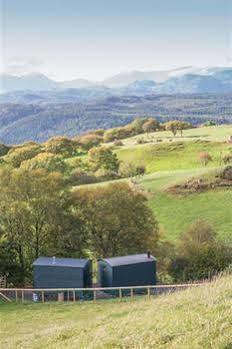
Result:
<point x="40" y="121"/>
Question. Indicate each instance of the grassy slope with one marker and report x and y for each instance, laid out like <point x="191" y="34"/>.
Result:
<point x="175" y="156"/>
<point x="212" y="133"/>
<point x="167" y="163"/>
<point x="194" y="318"/>
<point x="175" y="213"/>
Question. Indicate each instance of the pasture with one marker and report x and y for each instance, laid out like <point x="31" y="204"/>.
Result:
<point x="193" y="318"/>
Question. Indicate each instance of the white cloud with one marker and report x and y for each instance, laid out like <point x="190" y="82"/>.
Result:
<point x="23" y="65"/>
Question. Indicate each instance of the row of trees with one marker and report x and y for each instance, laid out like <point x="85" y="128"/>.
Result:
<point x="140" y="126"/>
<point x="39" y="216"/>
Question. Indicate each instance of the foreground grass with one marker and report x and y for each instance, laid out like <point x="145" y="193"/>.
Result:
<point x="194" y="318"/>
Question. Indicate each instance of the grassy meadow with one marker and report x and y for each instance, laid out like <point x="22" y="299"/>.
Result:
<point x="167" y="163"/>
<point x="193" y="318"/>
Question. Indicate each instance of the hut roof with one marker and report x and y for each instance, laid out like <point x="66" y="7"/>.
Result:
<point x="132" y="259"/>
<point x="61" y="262"/>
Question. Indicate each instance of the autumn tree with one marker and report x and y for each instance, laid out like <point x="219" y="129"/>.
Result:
<point x="17" y="155"/>
<point x="175" y="125"/>
<point x="89" y="141"/>
<point x="61" y="146"/>
<point x="137" y="125"/>
<point x="118" y="219"/>
<point x="151" y="125"/>
<point x="47" y="161"/>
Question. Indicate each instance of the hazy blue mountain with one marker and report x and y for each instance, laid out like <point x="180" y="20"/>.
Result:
<point x="139" y="88"/>
<point x="191" y="83"/>
<point x="69" y="95"/>
<point x="33" y="82"/>
<point x="174" y="78"/>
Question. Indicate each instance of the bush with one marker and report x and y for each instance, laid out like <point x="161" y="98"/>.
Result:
<point x="4" y="149"/>
<point x="204" y="158"/>
<point x="80" y="177"/>
<point x="17" y="155"/>
<point x="61" y="145"/>
<point x="48" y="161"/>
<point x="103" y="158"/>
<point x="105" y="175"/>
<point x="118" y="143"/>
<point x="127" y="169"/>
<point x="90" y="141"/>
<point x="227" y="158"/>
<point x="200" y="254"/>
<point x="141" y="141"/>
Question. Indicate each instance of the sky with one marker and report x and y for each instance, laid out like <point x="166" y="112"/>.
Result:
<point x="94" y="39"/>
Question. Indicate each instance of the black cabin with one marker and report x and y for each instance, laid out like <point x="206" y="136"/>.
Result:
<point x="133" y="270"/>
<point x="52" y="272"/>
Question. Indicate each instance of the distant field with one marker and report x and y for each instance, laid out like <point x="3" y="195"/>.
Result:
<point x="174" y="156"/>
<point x="194" y="318"/>
<point x="212" y="133"/>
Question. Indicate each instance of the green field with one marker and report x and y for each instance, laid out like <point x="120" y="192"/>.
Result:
<point x="194" y="318"/>
<point x="175" y="156"/>
<point x="212" y="133"/>
<point x="175" y="213"/>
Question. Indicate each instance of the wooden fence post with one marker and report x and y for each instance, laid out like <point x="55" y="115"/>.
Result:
<point x="16" y="295"/>
<point x="131" y="292"/>
<point x="120" y="294"/>
<point x="22" y="296"/>
<point x="74" y="296"/>
<point x="43" y="296"/>
<point x="94" y="296"/>
<point x="148" y="292"/>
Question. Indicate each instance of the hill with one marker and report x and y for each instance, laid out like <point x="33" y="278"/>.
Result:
<point x="39" y="121"/>
<point x="194" y="318"/>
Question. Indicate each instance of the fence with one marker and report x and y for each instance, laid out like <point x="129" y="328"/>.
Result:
<point x="87" y="294"/>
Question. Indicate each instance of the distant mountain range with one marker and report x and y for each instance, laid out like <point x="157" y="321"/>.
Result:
<point x="37" y="88"/>
<point x="34" y="107"/>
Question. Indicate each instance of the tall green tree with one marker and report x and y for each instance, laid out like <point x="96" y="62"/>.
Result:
<point x="103" y="158"/>
<point x="117" y="219"/>
<point x="35" y="213"/>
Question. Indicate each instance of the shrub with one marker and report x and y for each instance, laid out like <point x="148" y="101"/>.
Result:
<point x="227" y="158"/>
<point x="4" y="149"/>
<point x="127" y="169"/>
<point x="89" y="141"/>
<point x="204" y="158"/>
<point x="103" y="158"/>
<point x="118" y="143"/>
<point x="200" y="254"/>
<point x="103" y="175"/>
<point x="81" y="177"/>
<point x="17" y="155"/>
<point x="48" y="161"/>
<point x="61" y="145"/>
<point x="141" y="141"/>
